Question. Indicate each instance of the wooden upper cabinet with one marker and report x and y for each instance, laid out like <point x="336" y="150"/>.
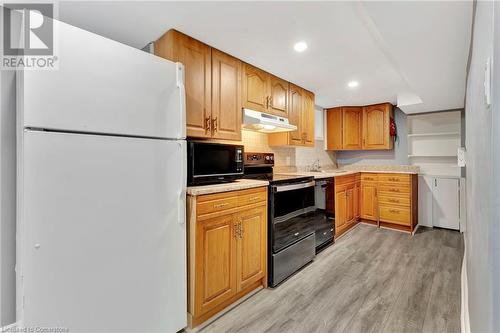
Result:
<point x="296" y="107"/>
<point x="334" y="124"/>
<point x="356" y="128"/>
<point x="255" y="88"/>
<point x="196" y="58"/>
<point x="215" y="262"/>
<point x="226" y="96"/>
<point x="376" y="120"/>
<point x="252" y="246"/>
<point x="278" y="96"/>
<point x="308" y="119"/>
<point x="352" y="117"/>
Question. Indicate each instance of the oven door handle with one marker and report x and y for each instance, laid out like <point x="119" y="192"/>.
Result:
<point x="283" y="188"/>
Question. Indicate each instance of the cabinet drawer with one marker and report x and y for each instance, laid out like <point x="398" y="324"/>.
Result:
<point x="393" y="189"/>
<point x="251" y="198"/>
<point x="216" y="205"/>
<point x="399" y="215"/>
<point x="394" y="200"/>
<point x="369" y="177"/>
<point x="394" y="178"/>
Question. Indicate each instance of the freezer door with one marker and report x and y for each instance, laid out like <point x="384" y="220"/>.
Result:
<point x="103" y="86"/>
<point x="103" y="233"/>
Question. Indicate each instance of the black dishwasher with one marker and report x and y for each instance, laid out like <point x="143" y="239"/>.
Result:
<point x="324" y="216"/>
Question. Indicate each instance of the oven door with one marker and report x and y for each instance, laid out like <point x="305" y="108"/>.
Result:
<point x="213" y="162"/>
<point x="292" y="213"/>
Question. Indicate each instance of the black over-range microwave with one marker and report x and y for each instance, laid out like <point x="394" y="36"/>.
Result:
<point x="210" y="163"/>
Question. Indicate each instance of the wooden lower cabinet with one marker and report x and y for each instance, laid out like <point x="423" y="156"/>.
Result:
<point x="386" y="200"/>
<point x="227" y="251"/>
<point x="346" y="203"/>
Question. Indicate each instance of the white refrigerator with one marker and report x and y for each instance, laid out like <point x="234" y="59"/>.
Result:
<point x="101" y="233"/>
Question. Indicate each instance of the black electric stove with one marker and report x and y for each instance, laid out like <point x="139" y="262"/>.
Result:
<point x="292" y="217"/>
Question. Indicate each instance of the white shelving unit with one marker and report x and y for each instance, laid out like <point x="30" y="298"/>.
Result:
<point x="433" y="141"/>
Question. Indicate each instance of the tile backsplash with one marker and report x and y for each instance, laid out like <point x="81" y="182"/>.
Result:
<point x="288" y="156"/>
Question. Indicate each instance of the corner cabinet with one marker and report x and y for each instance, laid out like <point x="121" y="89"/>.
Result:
<point x="227" y="250"/>
<point x="359" y="128"/>
<point x="388" y="200"/>
<point x="301" y="114"/>
<point x="213" y="86"/>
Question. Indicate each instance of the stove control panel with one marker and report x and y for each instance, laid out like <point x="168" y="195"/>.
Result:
<point x="255" y="159"/>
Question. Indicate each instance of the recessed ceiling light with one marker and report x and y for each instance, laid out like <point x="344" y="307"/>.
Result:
<point x="300" y="46"/>
<point x="352" y="84"/>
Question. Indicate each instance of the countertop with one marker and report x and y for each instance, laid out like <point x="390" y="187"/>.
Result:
<point x="331" y="174"/>
<point x="240" y="184"/>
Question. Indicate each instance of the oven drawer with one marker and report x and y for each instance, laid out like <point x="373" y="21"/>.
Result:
<point x="290" y="259"/>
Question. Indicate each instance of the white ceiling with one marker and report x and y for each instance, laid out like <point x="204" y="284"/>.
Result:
<point x="410" y="53"/>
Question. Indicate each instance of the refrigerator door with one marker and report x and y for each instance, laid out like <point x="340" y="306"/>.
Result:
<point x="103" y="230"/>
<point x="103" y="86"/>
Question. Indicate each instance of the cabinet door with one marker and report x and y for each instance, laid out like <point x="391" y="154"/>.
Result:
<point x="215" y="262"/>
<point x="255" y="88"/>
<point x="356" y="195"/>
<point x="295" y="114"/>
<point x="340" y="208"/>
<point x="334" y="129"/>
<point x="278" y="99"/>
<point x="350" y="204"/>
<point x="369" y="201"/>
<point x="376" y="127"/>
<point x="308" y="119"/>
<point x="445" y="203"/>
<point x="352" y="127"/>
<point x="252" y="246"/>
<point x="226" y="96"/>
<point x="196" y="58"/>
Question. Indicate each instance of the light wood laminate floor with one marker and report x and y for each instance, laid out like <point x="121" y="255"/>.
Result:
<point x="371" y="280"/>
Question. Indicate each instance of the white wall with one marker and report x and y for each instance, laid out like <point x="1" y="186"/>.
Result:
<point x="7" y="191"/>
<point x="7" y="197"/>
<point x="398" y="155"/>
<point x="480" y="128"/>
<point x="495" y="232"/>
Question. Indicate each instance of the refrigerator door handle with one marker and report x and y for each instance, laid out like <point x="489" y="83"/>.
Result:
<point x="182" y="97"/>
<point x="182" y="207"/>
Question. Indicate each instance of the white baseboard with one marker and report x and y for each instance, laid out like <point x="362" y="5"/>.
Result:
<point x="464" y="309"/>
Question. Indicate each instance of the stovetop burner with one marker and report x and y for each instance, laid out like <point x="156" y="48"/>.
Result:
<point x="260" y="166"/>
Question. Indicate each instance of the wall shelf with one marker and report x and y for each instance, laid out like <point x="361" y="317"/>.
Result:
<point x="433" y="134"/>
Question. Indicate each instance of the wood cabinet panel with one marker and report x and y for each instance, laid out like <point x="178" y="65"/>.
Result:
<point x="398" y="215"/>
<point x="215" y="262"/>
<point x="394" y="200"/>
<point x="295" y="114"/>
<point x="356" y="200"/>
<point x="369" y="204"/>
<point x="278" y="96"/>
<point x="227" y="251"/>
<point x="340" y="208"/>
<point x="395" y="178"/>
<point x="226" y="96"/>
<point x="196" y="58"/>
<point x="255" y="88"/>
<point x="334" y="132"/>
<point x="308" y="121"/>
<point x="252" y="246"/>
<point x="376" y="127"/>
<point x="352" y="127"/>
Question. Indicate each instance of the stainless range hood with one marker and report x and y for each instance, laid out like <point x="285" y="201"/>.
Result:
<point x="265" y="123"/>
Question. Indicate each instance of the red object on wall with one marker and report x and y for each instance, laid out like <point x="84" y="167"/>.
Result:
<point x="392" y="129"/>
